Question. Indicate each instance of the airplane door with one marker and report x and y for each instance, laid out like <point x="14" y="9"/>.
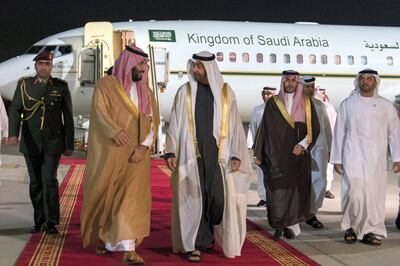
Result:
<point x="159" y="68"/>
<point x="159" y="77"/>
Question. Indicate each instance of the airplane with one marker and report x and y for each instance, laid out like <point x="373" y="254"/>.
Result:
<point x="250" y="55"/>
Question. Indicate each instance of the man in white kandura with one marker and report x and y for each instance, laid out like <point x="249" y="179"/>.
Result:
<point x="319" y="154"/>
<point x="256" y="117"/>
<point x="366" y="124"/>
<point x="330" y="110"/>
<point x="206" y="149"/>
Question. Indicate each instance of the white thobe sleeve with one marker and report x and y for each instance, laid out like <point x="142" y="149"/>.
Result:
<point x="3" y="120"/>
<point x="338" y="136"/>
<point x="304" y="142"/>
<point x="251" y="134"/>
<point x="394" y="135"/>
<point x="149" y="138"/>
<point x="328" y="129"/>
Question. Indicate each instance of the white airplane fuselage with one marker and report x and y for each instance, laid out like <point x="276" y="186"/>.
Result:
<point x="250" y="56"/>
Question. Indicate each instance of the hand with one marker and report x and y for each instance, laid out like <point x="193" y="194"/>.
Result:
<point x="171" y="163"/>
<point x="338" y="168"/>
<point x="121" y="138"/>
<point x="4" y="140"/>
<point x="235" y="165"/>
<point x="68" y="152"/>
<point x="257" y="161"/>
<point x="298" y="150"/>
<point x="396" y="167"/>
<point x="138" y="154"/>
<point x="12" y="140"/>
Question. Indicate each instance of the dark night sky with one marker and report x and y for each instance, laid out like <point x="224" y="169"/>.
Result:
<point x="24" y="22"/>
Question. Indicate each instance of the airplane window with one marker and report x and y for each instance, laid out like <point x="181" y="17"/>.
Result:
<point x="338" y="60"/>
<point x="50" y="48"/>
<point x="232" y="57"/>
<point x="64" y="49"/>
<point x="272" y="58"/>
<point x="260" y="57"/>
<point x="312" y="59"/>
<point x="364" y="60"/>
<point x="34" y="49"/>
<point x="389" y="60"/>
<point x="324" y="59"/>
<point x="220" y="56"/>
<point x="350" y="60"/>
<point x="286" y="58"/>
<point x="245" y="57"/>
<point x="299" y="59"/>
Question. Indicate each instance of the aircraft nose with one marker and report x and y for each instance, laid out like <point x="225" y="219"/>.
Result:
<point x="11" y="71"/>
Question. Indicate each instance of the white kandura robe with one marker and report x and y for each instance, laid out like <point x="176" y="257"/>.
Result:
<point x="255" y="121"/>
<point x="320" y="157"/>
<point x="330" y="110"/>
<point x="3" y="123"/>
<point x="185" y="183"/>
<point x="365" y="126"/>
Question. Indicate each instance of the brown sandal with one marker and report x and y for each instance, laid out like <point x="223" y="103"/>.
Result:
<point x="132" y="258"/>
<point x="101" y="250"/>
<point x="194" y="256"/>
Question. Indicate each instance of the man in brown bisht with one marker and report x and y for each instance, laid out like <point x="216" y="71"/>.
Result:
<point x="124" y="118"/>
<point x="284" y="139"/>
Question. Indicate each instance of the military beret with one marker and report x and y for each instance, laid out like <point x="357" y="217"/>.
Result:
<point x="43" y="56"/>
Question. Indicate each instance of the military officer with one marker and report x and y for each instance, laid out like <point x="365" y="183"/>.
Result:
<point x="43" y="104"/>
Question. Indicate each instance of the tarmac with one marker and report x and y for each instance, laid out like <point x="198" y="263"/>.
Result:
<point x="325" y="246"/>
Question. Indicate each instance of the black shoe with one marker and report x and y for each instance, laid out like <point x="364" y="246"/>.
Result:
<point x="51" y="230"/>
<point x="398" y="221"/>
<point x="278" y="234"/>
<point x="349" y="236"/>
<point x="370" y="239"/>
<point x="37" y="229"/>
<point x="262" y="203"/>
<point x="315" y="223"/>
<point x="329" y="195"/>
<point x="288" y="233"/>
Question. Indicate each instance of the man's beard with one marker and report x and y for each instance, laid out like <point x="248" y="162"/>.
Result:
<point x="136" y="76"/>
<point x="366" y="88"/>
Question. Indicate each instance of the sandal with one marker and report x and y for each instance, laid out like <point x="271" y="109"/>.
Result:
<point x="101" y="250"/>
<point x="370" y="239"/>
<point x="194" y="256"/>
<point x="349" y="236"/>
<point x="132" y="258"/>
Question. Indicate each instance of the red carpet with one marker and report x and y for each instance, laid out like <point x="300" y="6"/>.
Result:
<point x="66" y="248"/>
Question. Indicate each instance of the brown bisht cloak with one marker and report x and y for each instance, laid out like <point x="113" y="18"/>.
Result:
<point x="117" y="199"/>
<point x="287" y="177"/>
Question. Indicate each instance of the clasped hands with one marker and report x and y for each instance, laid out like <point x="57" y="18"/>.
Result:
<point x="122" y="138"/>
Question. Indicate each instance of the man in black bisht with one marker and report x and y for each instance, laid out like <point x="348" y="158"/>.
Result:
<point x="47" y="131"/>
<point x="285" y="137"/>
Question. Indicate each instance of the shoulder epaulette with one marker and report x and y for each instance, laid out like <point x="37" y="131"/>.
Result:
<point x="24" y="77"/>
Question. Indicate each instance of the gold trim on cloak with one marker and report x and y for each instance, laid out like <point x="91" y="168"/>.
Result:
<point x="308" y="119"/>
<point x="131" y="106"/>
<point x="289" y="119"/>
<point x="284" y="112"/>
<point x="224" y="121"/>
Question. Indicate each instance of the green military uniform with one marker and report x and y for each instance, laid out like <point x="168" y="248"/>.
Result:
<point x="47" y="131"/>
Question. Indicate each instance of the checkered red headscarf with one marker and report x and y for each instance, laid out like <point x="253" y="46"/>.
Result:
<point x="122" y="72"/>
